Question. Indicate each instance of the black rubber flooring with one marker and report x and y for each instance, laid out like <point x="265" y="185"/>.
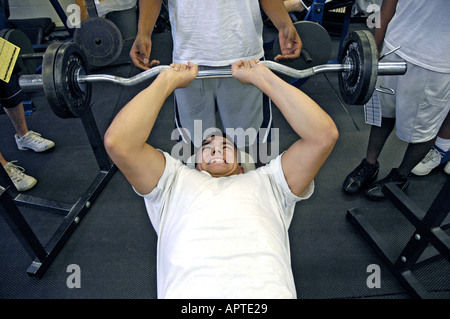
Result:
<point x="115" y="245"/>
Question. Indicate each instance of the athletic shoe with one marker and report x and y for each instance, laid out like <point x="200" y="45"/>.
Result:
<point x="435" y="157"/>
<point x="22" y="181"/>
<point x="447" y="168"/>
<point x="375" y="191"/>
<point x="362" y="176"/>
<point x="33" y="141"/>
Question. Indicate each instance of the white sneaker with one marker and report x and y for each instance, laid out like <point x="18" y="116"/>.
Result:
<point x="433" y="159"/>
<point x="447" y="168"/>
<point x="33" y="141"/>
<point x="22" y="181"/>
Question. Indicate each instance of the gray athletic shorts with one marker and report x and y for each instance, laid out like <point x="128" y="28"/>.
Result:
<point x="239" y="106"/>
<point x="420" y="103"/>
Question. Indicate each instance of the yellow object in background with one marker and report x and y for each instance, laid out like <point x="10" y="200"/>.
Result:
<point x="8" y="58"/>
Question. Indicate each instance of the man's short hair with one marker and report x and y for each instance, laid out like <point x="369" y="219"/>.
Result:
<point x="219" y="133"/>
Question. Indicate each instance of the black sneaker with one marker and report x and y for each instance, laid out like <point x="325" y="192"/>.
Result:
<point x="362" y="176"/>
<point x="375" y="191"/>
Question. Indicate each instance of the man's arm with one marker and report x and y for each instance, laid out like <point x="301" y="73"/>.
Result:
<point x="142" y="46"/>
<point x="126" y="138"/>
<point x="387" y="11"/>
<point x="302" y="161"/>
<point x="290" y="42"/>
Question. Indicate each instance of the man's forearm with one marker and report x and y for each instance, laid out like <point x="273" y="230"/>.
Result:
<point x="305" y="117"/>
<point x="318" y="133"/>
<point x="387" y="11"/>
<point x="277" y="13"/>
<point x="148" y="14"/>
<point x="126" y="138"/>
<point x="134" y="123"/>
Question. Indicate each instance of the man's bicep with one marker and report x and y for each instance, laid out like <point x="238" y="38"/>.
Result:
<point x="145" y="169"/>
<point x="301" y="163"/>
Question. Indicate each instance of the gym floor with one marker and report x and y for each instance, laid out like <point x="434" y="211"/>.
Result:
<point x="115" y="245"/>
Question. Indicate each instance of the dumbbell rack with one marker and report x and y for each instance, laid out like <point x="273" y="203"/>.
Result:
<point x="10" y="200"/>
<point x="428" y="242"/>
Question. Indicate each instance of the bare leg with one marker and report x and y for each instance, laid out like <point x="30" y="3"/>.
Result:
<point x="2" y="160"/>
<point x="17" y="116"/>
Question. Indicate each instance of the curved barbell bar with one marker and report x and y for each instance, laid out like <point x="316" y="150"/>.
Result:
<point x="34" y="81"/>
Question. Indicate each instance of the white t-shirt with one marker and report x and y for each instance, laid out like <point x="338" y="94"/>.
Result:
<point x="422" y="28"/>
<point x="223" y="237"/>
<point x="216" y="32"/>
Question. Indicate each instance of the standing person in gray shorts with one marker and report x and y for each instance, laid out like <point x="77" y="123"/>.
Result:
<point x="421" y="100"/>
<point x="211" y="34"/>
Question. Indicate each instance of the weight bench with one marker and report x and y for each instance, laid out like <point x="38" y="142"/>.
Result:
<point x="429" y="236"/>
<point x="10" y="200"/>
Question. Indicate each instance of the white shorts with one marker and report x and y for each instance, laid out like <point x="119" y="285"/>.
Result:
<point x="420" y="103"/>
<point x="239" y="106"/>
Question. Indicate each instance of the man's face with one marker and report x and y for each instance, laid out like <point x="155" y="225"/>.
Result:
<point x="218" y="157"/>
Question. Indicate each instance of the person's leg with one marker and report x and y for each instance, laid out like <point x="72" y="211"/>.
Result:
<point x="444" y="131"/>
<point x="21" y="181"/>
<point x="422" y="105"/>
<point x="195" y="110"/>
<point x="242" y="115"/>
<point x="17" y="116"/>
<point x="2" y="160"/>
<point x="428" y="119"/>
<point x="367" y="171"/>
<point x="414" y="153"/>
<point x="443" y="142"/>
<point x="439" y="154"/>
<point x="377" y="139"/>
<point x="11" y="97"/>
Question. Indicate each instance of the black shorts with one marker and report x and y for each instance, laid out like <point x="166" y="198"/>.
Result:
<point x="11" y="93"/>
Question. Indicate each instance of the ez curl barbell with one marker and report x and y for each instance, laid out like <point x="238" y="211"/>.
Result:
<point x="67" y="86"/>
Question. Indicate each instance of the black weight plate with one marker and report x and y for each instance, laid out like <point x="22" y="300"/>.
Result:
<point x="316" y="42"/>
<point x="55" y="101"/>
<point x="357" y="85"/>
<point x="100" y="39"/>
<point x="3" y="32"/>
<point x="70" y="59"/>
<point x="19" y="38"/>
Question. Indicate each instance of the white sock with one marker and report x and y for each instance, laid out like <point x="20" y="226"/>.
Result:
<point x="443" y="144"/>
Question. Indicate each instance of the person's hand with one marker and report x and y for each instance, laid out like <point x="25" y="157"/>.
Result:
<point x="290" y="43"/>
<point x="247" y="72"/>
<point x="140" y="52"/>
<point x="182" y="74"/>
